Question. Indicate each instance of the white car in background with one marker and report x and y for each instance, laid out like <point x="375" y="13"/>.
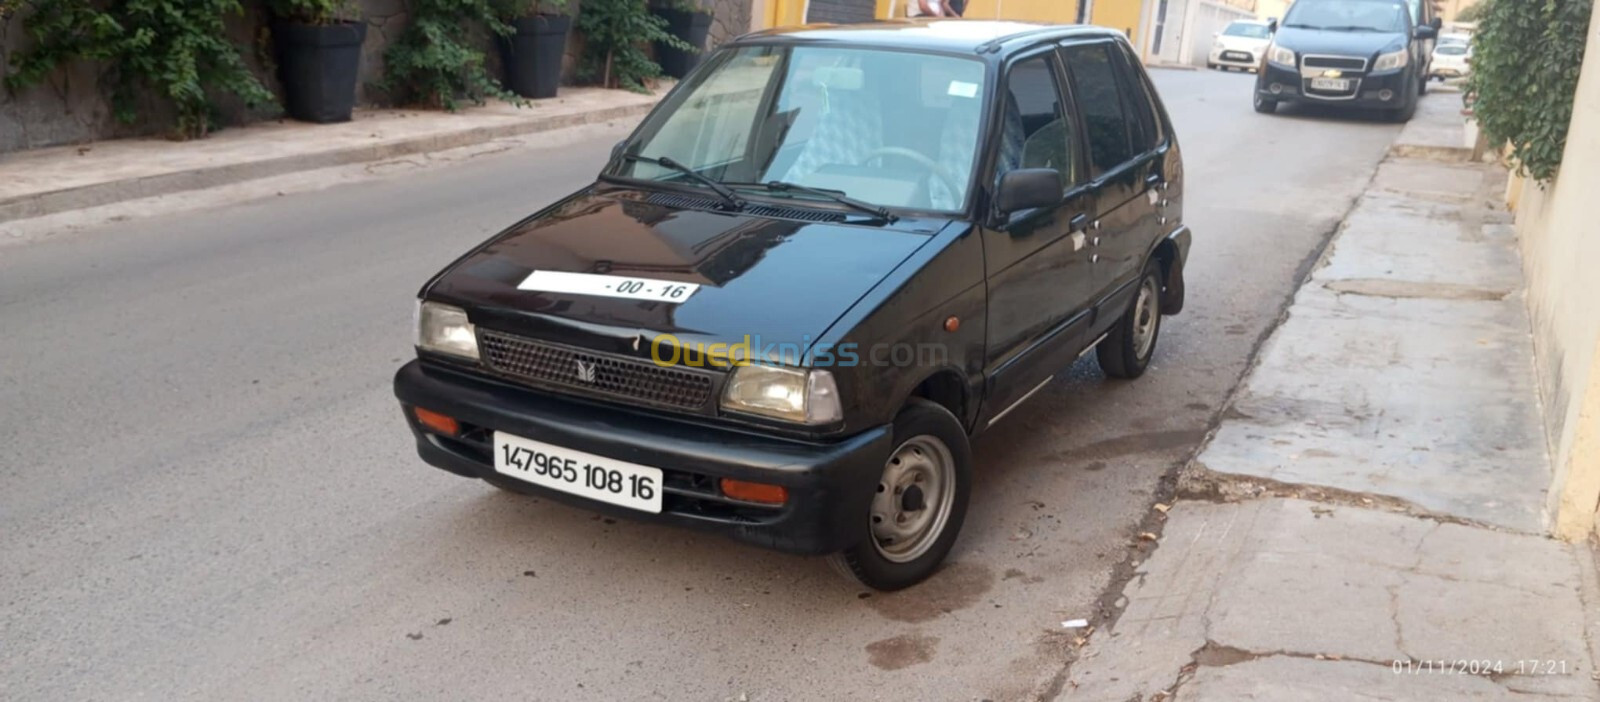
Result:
<point x="1240" y="45"/>
<point x="1451" y="60"/>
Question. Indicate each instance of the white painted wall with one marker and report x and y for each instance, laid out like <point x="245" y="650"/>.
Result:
<point x="1560" y="239"/>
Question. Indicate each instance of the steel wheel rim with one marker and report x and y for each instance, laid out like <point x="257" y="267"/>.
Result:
<point x="1146" y="317"/>
<point x="923" y="463"/>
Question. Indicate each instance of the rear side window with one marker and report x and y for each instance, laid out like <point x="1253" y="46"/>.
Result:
<point x="1094" y="86"/>
<point x="1140" y="103"/>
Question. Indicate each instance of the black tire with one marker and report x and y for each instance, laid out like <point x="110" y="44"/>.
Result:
<point x="1127" y="349"/>
<point x="869" y="562"/>
<point x="1265" y="105"/>
<point x="1403" y="114"/>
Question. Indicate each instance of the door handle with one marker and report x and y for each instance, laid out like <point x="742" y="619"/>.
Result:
<point x="1152" y="179"/>
<point x="1078" y="224"/>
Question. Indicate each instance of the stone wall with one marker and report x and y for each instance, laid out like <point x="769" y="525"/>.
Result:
<point x="70" y="107"/>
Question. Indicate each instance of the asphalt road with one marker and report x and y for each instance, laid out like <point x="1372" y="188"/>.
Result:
<point x="207" y="491"/>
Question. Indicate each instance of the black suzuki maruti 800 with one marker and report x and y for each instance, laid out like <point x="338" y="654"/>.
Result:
<point x="829" y="258"/>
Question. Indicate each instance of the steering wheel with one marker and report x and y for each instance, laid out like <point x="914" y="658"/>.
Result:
<point x="922" y="159"/>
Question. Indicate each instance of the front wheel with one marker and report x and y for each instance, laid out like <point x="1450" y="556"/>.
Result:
<point x="1265" y="105"/>
<point x="918" y="503"/>
<point x="1127" y="350"/>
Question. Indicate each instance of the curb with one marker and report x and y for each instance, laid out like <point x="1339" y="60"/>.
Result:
<point x="94" y="195"/>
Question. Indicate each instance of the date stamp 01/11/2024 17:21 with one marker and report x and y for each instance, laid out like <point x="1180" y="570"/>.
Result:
<point x="1469" y="666"/>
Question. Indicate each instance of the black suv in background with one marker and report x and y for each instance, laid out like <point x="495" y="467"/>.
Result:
<point x="827" y="260"/>
<point x="1368" y="54"/>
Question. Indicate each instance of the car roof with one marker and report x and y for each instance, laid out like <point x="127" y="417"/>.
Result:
<point x="948" y="35"/>
<point x="1249" y="21"/>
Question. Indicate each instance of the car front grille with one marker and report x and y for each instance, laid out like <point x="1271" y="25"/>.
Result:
<point x="594" y="374"/>
<point x="1345" y="63"/>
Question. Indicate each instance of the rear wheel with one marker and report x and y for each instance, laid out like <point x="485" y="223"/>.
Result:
<point x="1265" y="105"/>
<point x="918" y="505"/>
<point x="1127" y="350"/>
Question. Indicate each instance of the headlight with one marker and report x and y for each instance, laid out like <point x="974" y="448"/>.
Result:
<point x="444" y="329"/>
<point x="803" y="397"/>
<point x="1391" y="61"/>
<point x="1281" y="56"/>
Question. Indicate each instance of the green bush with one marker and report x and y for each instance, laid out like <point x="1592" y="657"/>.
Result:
<point x="438" y="59"/>
<point x="615" y="32"/>
<point x="314" y="11"/>
<point x="508" y="10"/>
<point x="1525" y="62"/>
<point x="176" y="51"/>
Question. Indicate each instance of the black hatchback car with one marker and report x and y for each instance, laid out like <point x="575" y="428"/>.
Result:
<point x="830" y="257"/>
<point x="1368" y="54"/>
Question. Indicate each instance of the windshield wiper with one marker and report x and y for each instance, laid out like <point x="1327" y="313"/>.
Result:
<point x="780" y="186"/>
<point x="728" y="196"/>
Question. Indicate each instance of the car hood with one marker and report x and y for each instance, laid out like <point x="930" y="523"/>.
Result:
<point x="1241" y="43"/>
<point x="1316" y="41"/>
<point x="781" y="282"/>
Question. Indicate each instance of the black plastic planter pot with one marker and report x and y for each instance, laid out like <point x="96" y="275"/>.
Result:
<point x="317" y="65"/>
<point x="532" y="55"/>
<point x="692" y="27"/>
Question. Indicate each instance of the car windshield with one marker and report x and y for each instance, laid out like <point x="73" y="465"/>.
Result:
<point x="1247" y="29"/>
<point x="890" y="128"/>
<point x="1348" y="16"/>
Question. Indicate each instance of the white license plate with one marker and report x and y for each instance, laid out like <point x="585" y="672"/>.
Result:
<point x="584" y="474"/>
<point x="1341" y="85"/>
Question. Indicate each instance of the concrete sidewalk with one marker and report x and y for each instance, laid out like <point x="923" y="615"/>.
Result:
<point x="1368" y="520"/>
<point x="48" y="181"/>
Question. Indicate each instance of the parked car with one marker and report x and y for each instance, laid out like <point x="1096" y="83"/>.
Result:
<point x="1451" y="60"/>
<point x="824" y="263"/>
<point x="1240" y="45"/>
<point x="1367" y="54"/>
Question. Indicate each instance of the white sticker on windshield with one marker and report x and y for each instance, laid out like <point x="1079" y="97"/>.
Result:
<point x="961" y="88"/>
<point x="608" y="286"/>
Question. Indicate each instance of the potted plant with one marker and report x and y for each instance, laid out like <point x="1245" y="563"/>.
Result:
<point x="690" y="23"/>
<point x="615" y="33"/>
<point x="319" y="55"/>
<point x="531" y="53"/>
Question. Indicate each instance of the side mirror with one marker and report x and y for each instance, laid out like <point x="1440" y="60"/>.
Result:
<point x="616" y="149"/>
<point x="1272" y="25"/>
<point x="1426" y="32"/>
<point x="1028" y="188"/>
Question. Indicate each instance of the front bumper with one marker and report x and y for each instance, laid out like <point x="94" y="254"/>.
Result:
<point x="1368" y="93"/>
<point x="1235" y="58"/>
<point x="829" y="484"/>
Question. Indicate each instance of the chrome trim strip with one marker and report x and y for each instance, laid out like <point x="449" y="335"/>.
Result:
<point x="1019" y="401"/>
<point x="1090" y="347"/>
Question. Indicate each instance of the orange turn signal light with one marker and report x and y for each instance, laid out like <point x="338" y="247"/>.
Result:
<point x="437" y="422"/>
<point x="755" y="492"/>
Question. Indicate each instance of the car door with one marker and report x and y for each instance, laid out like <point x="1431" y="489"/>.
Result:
<point x="1151" y="147"/>
<point x="1121" y="176"/>
<point x="1037" y="261"/>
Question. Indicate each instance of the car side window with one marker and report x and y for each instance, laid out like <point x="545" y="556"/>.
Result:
<point x="1139" y="102"/>
<point x="1094" y="86"/>
<point x="1037" y="131"/>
